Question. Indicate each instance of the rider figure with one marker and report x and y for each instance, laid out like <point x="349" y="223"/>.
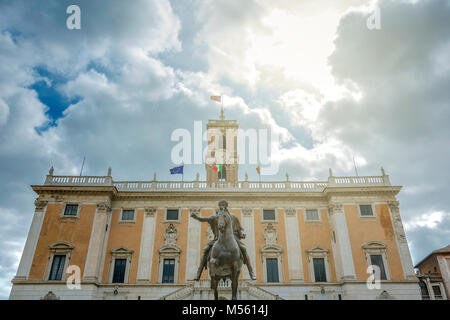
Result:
<point x="238" y="232"/>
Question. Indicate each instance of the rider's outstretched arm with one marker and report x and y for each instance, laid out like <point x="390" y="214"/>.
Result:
<point x="207" y="219"/>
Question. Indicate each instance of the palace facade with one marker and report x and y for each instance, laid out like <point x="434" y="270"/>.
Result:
<point x="136" y="239"/>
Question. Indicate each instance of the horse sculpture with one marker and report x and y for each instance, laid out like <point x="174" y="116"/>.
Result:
<point x="225" y="258"/>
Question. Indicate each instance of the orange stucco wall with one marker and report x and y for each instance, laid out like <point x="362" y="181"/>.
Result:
<point x="315" y="234"/>
<point x="159" y="241"/>
<point x="77" y="233"/>
<point x="365" y="229"/>
<point x="124" y="234"/>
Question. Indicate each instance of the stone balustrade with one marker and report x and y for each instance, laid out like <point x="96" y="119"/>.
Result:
<point x="246" y="186"/>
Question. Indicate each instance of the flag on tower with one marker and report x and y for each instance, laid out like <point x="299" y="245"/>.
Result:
<point x="258" y="169"/>
<point x="217" y="168"/>
<point x="217" y="98"/>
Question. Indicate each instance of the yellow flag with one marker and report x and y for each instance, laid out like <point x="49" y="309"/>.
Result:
<point x="257" y="169"/>
<point x="216" y="98"/>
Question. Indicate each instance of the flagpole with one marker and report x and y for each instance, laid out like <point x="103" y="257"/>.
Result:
<point x="222" y="117"/>
<point x="354" y="163"/>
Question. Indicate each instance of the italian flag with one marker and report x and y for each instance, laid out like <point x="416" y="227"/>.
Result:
<point x="217" y="168"/>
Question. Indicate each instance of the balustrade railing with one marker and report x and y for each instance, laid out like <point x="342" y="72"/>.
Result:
<point x="249" y="186"/>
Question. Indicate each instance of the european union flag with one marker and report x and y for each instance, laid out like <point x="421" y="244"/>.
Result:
<point x="177" y="170"/>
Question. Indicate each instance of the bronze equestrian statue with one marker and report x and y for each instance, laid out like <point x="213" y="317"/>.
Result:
<point x="220" y="253"/>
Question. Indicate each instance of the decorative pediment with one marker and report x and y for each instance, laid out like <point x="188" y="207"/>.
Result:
<point x="385" y="296"/>
<point x="168" y="249"/>
<point x="121" y="250"/>
<point x="272" y="248"/>
<point x="376" y="245"/>
<point x="317" y="252"/>
<point x="121" y="253"/>
<point x="50" y="296"/>
<point x="61" y="245"/>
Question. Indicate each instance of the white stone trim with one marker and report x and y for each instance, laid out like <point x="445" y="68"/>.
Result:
<point x="96" y="242"/>
<point x="193" y="245"/>
<point x="318" y="252"/>
<point x="27" y="257"/>
<point x="272" y="251"/>
<point x="78" y="204"/>
<point x="58" y="248"/>
<point x="293" y="244"/>
<point x="172" y="221"/>
<point x="169" y="252"/>
<point x="400" y="239"/>
<point x="146" y="247"/>
<point x="376" y="248"/>
<point x="305" y="217"/>
<point x="120" y="220"/>
<point x="120" y="253"/>
<point x="371" y="204"/>
<point x="343" y="256"/>
<point x="248" y="223"/>
<point x="269" y="221"/>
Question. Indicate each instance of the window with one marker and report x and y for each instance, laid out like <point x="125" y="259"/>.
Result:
<point x="120" y="266"/>
<point x="272" y="270"/>
<point x="366" y="210"/>
<point x="437" y="292"/>
<point x="319" y="264"/>
<point x="375" y="254"/>
<point x="319" y="270"/>
<point x="312" y="215"/>
<point x="128" y="215"/>
<point x="269" y="215"/>
<point x="56" y="272"/>
<point x="424" y="291"/>
<point x="172" y="214"/>
<point x="168" y="271"/>
<point x="59" y="257"/>
<point x="377" y="260"/>
<point x="71" y="210"/>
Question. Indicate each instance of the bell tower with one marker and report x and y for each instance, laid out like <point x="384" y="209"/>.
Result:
<point x="221" y="157"/>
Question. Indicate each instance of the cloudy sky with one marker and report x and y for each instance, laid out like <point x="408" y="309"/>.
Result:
<point x="310" y="71"/>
